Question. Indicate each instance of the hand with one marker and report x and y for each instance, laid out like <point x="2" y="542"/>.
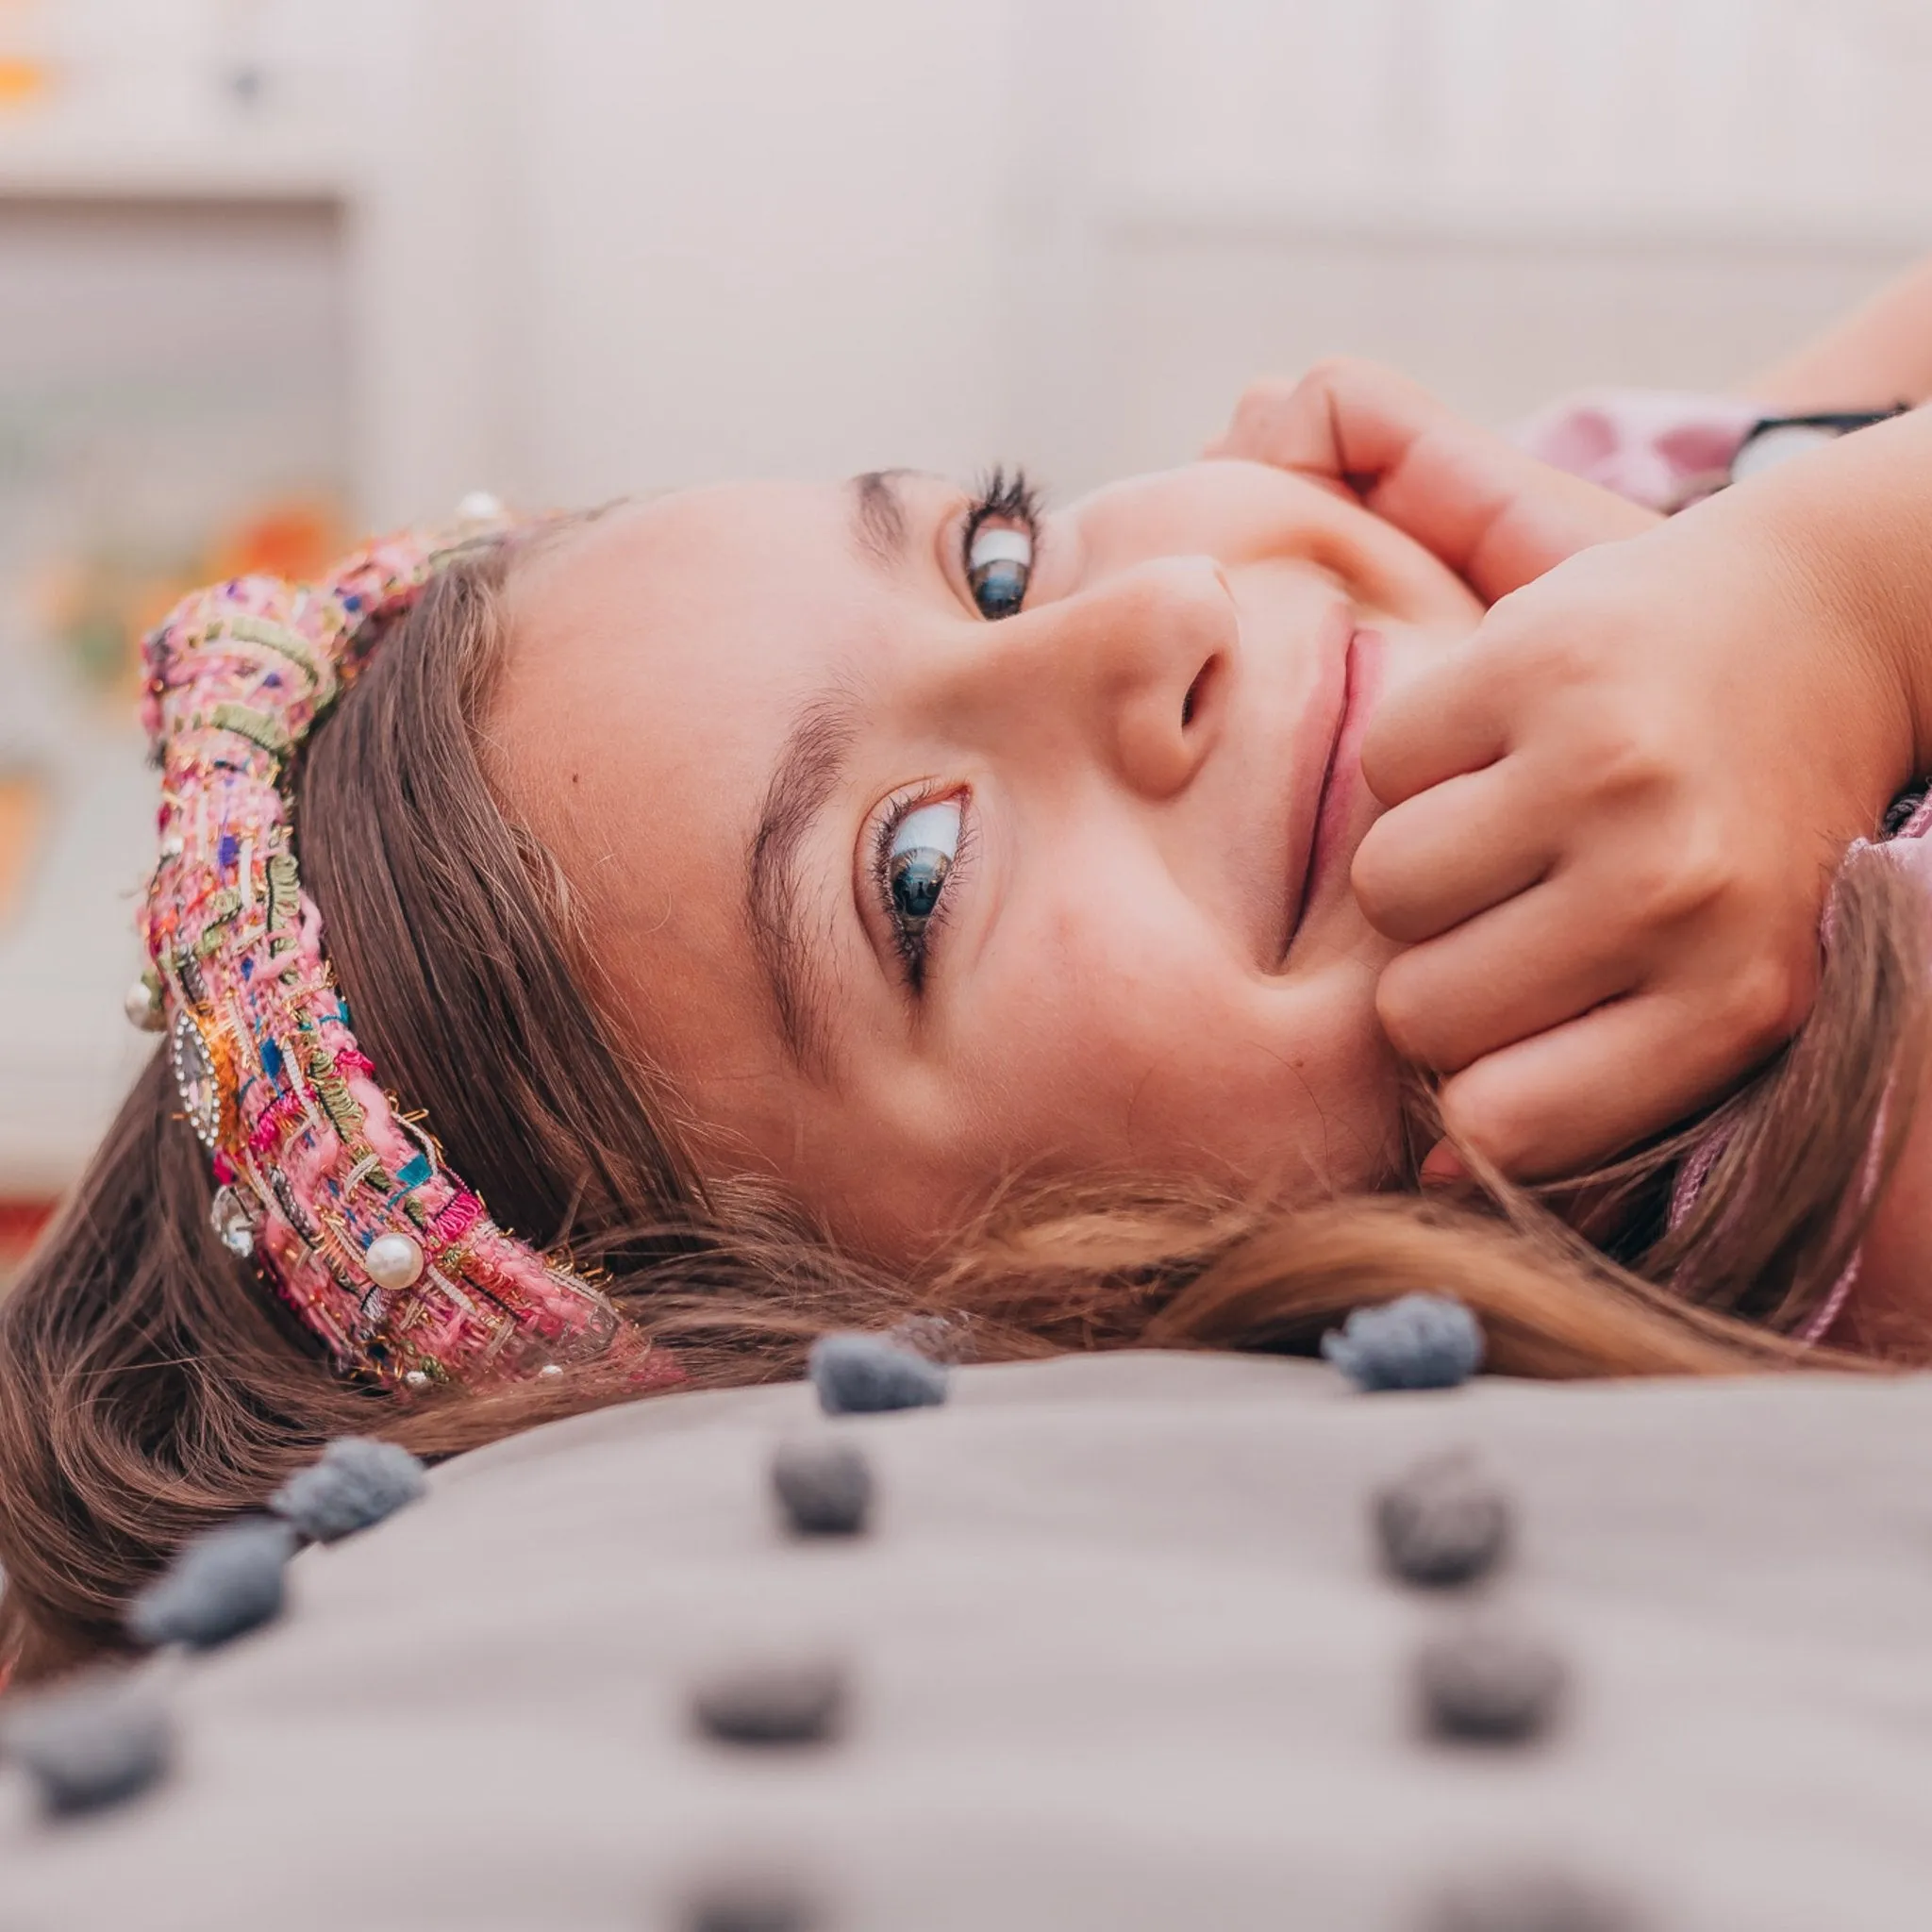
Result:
<point x="1495" y="516"/>
<point x="1614" y="814"/>
<point x="1614" y="817"/>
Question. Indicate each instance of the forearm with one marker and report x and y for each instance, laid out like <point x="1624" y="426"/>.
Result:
<point x="1879" y="354"/>
<point x="1851" y="524"/>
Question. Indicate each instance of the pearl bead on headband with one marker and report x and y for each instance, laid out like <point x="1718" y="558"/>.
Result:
<point x="349" y="1211"/>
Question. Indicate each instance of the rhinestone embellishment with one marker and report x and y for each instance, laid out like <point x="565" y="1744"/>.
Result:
<point x="235" y="1217"/>
<point x="194" y="1075"/>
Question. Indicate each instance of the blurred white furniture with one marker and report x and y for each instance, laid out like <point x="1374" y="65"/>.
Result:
<point x="611" y="245"/>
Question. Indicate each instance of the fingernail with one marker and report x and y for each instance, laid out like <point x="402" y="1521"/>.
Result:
<point x="1442" y="1167"/>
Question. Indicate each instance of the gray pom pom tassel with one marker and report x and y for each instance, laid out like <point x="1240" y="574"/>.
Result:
<point x="357" y="1482"/>
<point x="1533" y="1900"/>
<point x="1420" y="1341"/>
<point x="825" y="1487"/>
<point x="1489" y="1683"/>
<point x="769" y="1701"/>
<point x="751" y="1904"/>
<point x="90" y="1746"/>
<point x="865" y="1375"/>
<point x="1444" y="1523"/>
<point x="219" y="1587"/>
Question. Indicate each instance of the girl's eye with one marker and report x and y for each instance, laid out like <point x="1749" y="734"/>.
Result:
<point x="999" y="564"/>
<point x="923" y="846"/>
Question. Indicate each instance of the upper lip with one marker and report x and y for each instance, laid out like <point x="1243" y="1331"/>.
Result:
<point x="1317" y="740"/>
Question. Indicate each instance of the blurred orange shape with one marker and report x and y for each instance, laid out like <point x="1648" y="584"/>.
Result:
<point x="20" y="81"/>
<point x="23" y="809"/>
<point x="297" y="539"/>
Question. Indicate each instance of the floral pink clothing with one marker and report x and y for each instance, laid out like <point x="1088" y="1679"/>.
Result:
<point x="1658" y="447"/>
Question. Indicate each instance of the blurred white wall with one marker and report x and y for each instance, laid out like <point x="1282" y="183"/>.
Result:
<point x="599" y="245"/>
<point x="751" y="236"/>
<point x="573" y="248"/>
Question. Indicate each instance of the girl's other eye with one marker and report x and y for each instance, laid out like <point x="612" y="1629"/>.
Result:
<point x="921" y="851"/>
<point x="999" y="562"/>
<point x="1001" y="532"/>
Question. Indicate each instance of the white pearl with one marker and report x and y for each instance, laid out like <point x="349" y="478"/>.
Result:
<point x="550" y="1372"/>
<point x="416" y="1379"/>
<point x="143" y="1010"/>
<point x="394" y="1260"/>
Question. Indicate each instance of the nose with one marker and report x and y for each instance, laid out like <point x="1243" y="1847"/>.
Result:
<point x="1133" y="669"/>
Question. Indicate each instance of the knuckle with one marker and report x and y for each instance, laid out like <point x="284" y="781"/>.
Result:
<point x="1390" y="747"/>
<point x="1546" y="652"/>
<point x="1337" y="371"/>
<point x="1375" y="877"/>
<point x="1410" y="1018"/>
<point x="1621" y="758"/>
<point x="1502" y="1126"/>
<point x="1401" y="888"/>
<point x="1266" y="390"/>
<point x="1260" y="408"/>
<point x="1329" y="371"/>
<point x="1680" y="880"/>
<point x="1574" y="662"/>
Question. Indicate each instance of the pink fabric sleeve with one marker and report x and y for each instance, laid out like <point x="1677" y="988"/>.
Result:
<point x="1661" y="448"/>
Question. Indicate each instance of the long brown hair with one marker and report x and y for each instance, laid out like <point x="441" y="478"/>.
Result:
<point x="148" y="1386"/>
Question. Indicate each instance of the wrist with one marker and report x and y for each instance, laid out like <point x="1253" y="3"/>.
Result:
<point x="1844" y="536"/>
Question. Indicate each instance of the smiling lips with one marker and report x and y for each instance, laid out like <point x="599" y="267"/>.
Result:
<point x="1327" y="816"/>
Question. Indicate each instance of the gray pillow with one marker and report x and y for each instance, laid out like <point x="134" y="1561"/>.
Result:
<point x="1120" y="1654"/>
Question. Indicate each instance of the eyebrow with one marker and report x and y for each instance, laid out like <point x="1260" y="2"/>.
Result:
<point x="878" y="516"/>
<point x="809" y="768"/>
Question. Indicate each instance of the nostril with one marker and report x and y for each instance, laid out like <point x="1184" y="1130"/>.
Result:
<point x="1197" y="691"/>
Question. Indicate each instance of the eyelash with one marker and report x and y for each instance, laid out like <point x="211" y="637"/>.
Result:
<point x="915" y="947"/>
<point x="1010" y="497"/>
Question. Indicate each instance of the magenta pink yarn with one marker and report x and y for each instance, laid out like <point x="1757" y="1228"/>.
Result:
<point x="315" y="1161"/>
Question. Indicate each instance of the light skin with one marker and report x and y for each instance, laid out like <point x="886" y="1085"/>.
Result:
<point x="1593" y="906"/>
<point x="715" y="700"/>
<point x="1878" y="355"/>
<point x="1616" y="811"/>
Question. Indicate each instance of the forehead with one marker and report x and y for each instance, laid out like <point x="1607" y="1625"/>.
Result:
<point x="660" y="655"/>
<point x="716" y="561"/>
<point x="668" y="643"/>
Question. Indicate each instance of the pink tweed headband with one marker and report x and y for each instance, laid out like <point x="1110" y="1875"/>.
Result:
<point x="349" y="1211"/>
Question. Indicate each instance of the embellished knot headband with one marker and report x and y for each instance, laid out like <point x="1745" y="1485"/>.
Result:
<point x="346" y="1206"/>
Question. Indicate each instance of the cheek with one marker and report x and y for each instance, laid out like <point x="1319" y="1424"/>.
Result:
<point x="1140" y="1042"/>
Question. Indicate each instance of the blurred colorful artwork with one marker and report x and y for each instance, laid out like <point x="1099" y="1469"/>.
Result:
<point x="172" y="410"/>
<point x="97" y="606"/>
<point x="23" y="815"/>
<point x="21" y="82"/>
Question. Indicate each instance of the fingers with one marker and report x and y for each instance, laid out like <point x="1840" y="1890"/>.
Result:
<point x="1492" y="514"/>
<point x="1351" y="420"/>
<point x="1434" y="862"/>
<point x="1444" y="721"/>
<point x="1546" y="666"/>
<point x="1534" y="961"/>
<point x="1566" y="1100"/>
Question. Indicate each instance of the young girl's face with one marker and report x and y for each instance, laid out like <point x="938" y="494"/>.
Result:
<point x="929" y="846"/>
